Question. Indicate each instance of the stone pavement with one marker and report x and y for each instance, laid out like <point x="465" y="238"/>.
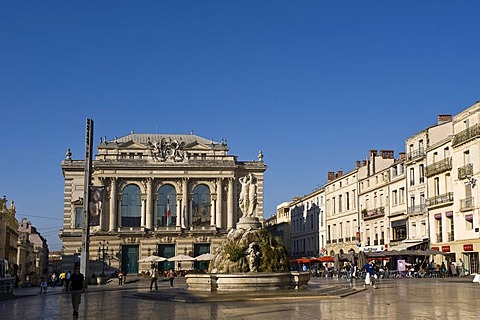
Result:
<point x="418" y="299"/>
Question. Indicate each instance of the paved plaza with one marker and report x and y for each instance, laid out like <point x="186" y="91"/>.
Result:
<point x="420" y="299"/>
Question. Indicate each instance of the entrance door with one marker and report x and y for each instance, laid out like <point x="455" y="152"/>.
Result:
<point x="130" y="259"/>
<point x="198" y="249"/>
<point x="473" y="262"/>
<point x="166" y="251"/>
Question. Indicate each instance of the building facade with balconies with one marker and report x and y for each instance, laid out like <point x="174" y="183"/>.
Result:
<point x="465" y="240"/>
<point x="374" y="180"/>
<point x="162" y="194"/>
<point x="342" y="213"/>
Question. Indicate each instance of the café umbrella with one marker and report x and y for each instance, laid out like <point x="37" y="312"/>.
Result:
<point x="204" y="257"/>
<point x="181" y="257"/>
<point x="152" y="258"/>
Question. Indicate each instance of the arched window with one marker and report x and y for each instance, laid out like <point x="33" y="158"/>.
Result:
<point x="166" y="206"/>
<point x="131" y="206"/>
<point x="201" y="206"/>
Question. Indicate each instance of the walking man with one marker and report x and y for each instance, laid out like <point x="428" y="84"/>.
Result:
<point x="76" y="286"/>
<point x="153" y="277"/>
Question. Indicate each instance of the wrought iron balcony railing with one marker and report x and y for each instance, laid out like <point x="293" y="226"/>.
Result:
<point x="465" y="171"/>
<point x="439" y="167"/>
<point x="414" y="155"/>
<point x="466" y="204"/>
<point x="373" y="213"/>
<point x="440" y="199"/>
<point x="418" y="209"/>
<point x="466" y="135"/>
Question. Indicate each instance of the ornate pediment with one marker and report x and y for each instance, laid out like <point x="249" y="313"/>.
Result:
<point x="132" y="145"/>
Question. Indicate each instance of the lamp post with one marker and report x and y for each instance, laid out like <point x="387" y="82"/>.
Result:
<point x="102" y="252"/>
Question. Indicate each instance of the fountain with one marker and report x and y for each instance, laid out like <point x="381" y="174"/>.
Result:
<point x="250" y="258"/>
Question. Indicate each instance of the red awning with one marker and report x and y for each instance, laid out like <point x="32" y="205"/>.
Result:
<point x="324" y="259"/>
<point x="301" y="260"/>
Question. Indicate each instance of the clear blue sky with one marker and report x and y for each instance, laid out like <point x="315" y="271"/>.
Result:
<point x="313" y="84"/>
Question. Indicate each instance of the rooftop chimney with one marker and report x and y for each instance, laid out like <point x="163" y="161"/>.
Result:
<point x="401" y="155"/>
<point x="373" y="153"/>
<point x="339" y="173"/>
<point x="331" y="176"/>
<point x="444" y="118"/>
<point x="357" y="164"/>
<point x="386" y="154"/>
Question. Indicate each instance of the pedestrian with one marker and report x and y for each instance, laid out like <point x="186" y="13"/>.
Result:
<point x="120" y="278"/>
<point x="153" y="277"/>
<point x="67" y="280"/>
<point x="43" y="284"/>
<point x="76" y="286"/>
<point x="370" y="275"/>
<point x="461" y="269"/>
<point x="171" y="275"/>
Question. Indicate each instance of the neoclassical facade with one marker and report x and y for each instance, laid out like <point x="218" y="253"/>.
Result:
<point x="162" y="194"/>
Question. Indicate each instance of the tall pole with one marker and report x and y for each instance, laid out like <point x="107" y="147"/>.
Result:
<point x="85" y="253"/>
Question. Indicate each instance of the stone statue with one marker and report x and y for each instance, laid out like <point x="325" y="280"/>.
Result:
<point x="253" y="257"/>
<point x="248" y="195"/>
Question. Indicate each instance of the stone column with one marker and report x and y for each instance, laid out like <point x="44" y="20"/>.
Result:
<point x="113" y="202"/>
<point x="143" y="212"/>
<point x="213" y="217"/>
<point x="190" y="211"/>
<point x="185" y="202"/>
<point x="119" y="213"/>
<point x="218" y="220"/>
<point x="230" y="202"/>
<point x="149" y="203"/>
<point x="179" y="212"/>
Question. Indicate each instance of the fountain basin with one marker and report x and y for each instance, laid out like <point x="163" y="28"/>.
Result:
<point x="252" y="281"/>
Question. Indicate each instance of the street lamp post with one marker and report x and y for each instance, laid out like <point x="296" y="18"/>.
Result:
<point x="102" y="252"/>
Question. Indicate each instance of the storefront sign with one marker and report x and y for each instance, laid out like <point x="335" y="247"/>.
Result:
<point x="468" y="247"/>
<point x="436" y="248"/>
<point x="445" y="248"/>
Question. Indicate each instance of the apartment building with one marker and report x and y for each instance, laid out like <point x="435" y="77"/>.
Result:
<point x="397" y="203"/>
<point x="462" y="225"/>
<point x="307" y="218"/>
<point x="373" y="180"/>
<point x="342" y="214"/>
<point x="279" y="225"/>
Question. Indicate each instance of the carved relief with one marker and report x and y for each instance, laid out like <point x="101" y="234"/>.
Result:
<point x="202" y="239"/>
<point x="167" y="150"/>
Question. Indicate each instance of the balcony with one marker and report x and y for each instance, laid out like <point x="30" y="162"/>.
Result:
<point x="439" y="237"/>
<point x="419" y="209"/>
<point x="450" y="236"/>
<point x="417" y="154"/>
<point x="340" y="240"/>
<point x="373" y="213"/>
<point x="467" y="204"/>
<point x="465" y="171"/>
<point x="440" y="199"/>
<point x="439" y="167"/>
<point x="466" y="135"/>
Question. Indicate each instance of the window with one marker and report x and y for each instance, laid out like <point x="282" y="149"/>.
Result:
<point x="347" y="200"/>
<point x="201" y="206"/>
<point x="466" y="157"/>
<point x="166" y="206"/>
<point x="78" y="217"/>
<point x="421" y="173"/>
<point x="394" y="197"/>
<point x="412" y="176"/>
<point x="436" y="183"/>
<point x="340" y="209"/>
<point x="401" y="195"/>
<point x="131" y="206"/>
